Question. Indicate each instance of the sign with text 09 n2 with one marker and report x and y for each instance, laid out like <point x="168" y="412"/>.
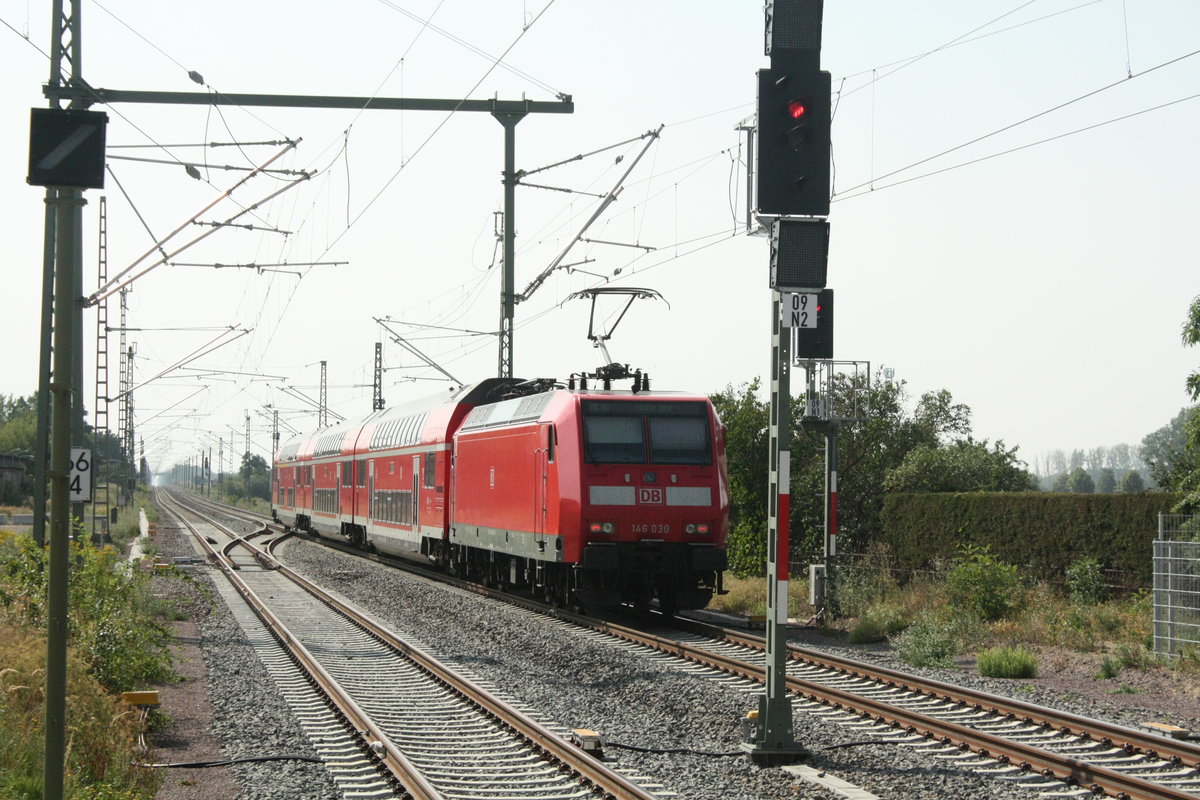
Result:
<point x="80" y="481"/>
<point x="798" y="310"/>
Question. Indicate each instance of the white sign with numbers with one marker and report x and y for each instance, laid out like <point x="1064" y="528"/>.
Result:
<point x="798" y="310"/>
<point x="81" y="475"/>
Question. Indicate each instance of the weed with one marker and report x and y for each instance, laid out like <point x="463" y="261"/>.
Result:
<point x="1109" y="669"/>
<point x="1125" y="688"/>
<point x="103" y="734"/>
<point x="748" y="596"/>
<point x="858" y="587"/>
<point x="1085" y="581"/>
<point x="1134" y="656"/>
<point x="1007" y="662"/>
<point x="931" y="641"/>
<point x="983" y="587"/>
<point x="878" y="623"/>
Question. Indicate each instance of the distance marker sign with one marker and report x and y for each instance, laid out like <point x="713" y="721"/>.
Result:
<point x="80" y="481"/>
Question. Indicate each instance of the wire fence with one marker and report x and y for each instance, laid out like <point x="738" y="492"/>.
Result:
<point x="1177" y="585"/>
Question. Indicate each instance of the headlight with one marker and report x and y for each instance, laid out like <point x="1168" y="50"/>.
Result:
<point x="602" y="527"/>
<point x="700" y="528"/>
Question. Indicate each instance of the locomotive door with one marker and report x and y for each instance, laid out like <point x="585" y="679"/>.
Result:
<point x="543" y="455"/>
<point x="416" y="496"/>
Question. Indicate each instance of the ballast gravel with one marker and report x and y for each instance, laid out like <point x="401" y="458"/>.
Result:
<point x="571" y="679"/>
<point x="629" y="696"/>
<point x="249" y="717"/>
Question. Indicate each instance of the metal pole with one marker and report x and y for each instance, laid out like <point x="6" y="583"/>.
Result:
<point x="507" y="297"/>
<point x="749" y="129"/>
<point x="775" y="738"/>
<point x="831" y="523"/>
<point x="42" y="444"/>
<point x="76" y="312"/>
<point x="65" y="300"/>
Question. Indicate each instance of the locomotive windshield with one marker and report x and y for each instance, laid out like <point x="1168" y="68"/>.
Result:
<point x="638" y="432"/>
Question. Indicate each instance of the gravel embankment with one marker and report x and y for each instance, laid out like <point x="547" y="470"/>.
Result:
<point x="578" y="682"/>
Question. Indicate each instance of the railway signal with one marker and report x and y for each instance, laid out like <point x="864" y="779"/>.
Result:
<point x="816" y="341"/>
<point x="794" y="115"/>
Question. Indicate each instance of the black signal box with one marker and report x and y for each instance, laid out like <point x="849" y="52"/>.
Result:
<point x="66" y="148"/>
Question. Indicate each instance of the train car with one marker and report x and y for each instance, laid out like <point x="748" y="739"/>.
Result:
<point x="592" y="497"/>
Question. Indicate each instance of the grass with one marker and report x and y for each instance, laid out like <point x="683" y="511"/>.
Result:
<point x="1006" y="662"/>
<point x="748" y="596"/>
<point x="931" y="620"/>
<point x="118" y="641"/>
<point x="102" y="732"/>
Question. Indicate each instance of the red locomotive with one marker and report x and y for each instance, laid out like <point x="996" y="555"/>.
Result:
<point x="592" y="496"/>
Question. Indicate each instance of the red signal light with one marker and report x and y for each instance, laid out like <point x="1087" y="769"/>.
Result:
<point x="796" y="109"/>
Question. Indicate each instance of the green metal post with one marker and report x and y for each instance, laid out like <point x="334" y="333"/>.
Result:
<point x="65" y="302"/>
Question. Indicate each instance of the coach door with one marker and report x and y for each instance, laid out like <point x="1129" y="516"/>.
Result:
<point x="416" y="496"/>
<point x="371" y="490"/>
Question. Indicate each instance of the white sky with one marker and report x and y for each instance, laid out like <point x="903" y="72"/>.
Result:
<point x="1045" y="288"/>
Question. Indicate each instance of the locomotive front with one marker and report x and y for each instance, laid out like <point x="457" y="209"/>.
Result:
<point x="653" y="500"/>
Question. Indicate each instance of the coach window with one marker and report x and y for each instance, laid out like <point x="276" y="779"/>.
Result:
<point x="347" y="474"/>
<point x="551" y="443"/>
<point x="362" y="473"/>
<point x="430" y="469"/>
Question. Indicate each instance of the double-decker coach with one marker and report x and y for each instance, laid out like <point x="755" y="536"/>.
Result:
<point x="597" y="497"/>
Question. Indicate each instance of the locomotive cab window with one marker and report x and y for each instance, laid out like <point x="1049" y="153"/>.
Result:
<point x="636" y="432"/>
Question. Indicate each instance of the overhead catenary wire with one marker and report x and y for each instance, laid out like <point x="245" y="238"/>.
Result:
<point x="1030" y="118"/>
<point x="1012" y="150"/>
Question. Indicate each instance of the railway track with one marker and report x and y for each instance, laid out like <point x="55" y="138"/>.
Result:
<point x="405" y="725"/>
<point x="1053" y="752"/>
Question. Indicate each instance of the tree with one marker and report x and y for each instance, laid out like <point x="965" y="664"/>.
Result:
<point x="1120" y="457"/>
<point x="1062" y="483"/>
<point x="965" y="466"/>
<point x="256" y="477"/>
<point x="745" y="417"/>
<point x="1191" y="338"/>
<point x="1081" y="482"/>
<point x="1107" y="482"/>
<point x="1188" y="479"/>
<point x="867" y="450"/>
<point x="1166" y="451"/>
<point x="1131" y="482"/>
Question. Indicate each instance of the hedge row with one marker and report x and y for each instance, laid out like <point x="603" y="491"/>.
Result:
<point x="1042" y="532"/>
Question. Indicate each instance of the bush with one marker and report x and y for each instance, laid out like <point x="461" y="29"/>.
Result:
<point x="115" y="625"/>
<point x="858" y="587"/>
<point x="1085" y="581"/>
<point x="929" y="642"/>
<point x="983" y="587"/>
<point x="102" y="732"/>
<point x="877" y="624"/>
<point x="1007" y="662"/>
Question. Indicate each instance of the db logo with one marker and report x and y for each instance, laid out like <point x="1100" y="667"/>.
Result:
<point x="650" y="496"/>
